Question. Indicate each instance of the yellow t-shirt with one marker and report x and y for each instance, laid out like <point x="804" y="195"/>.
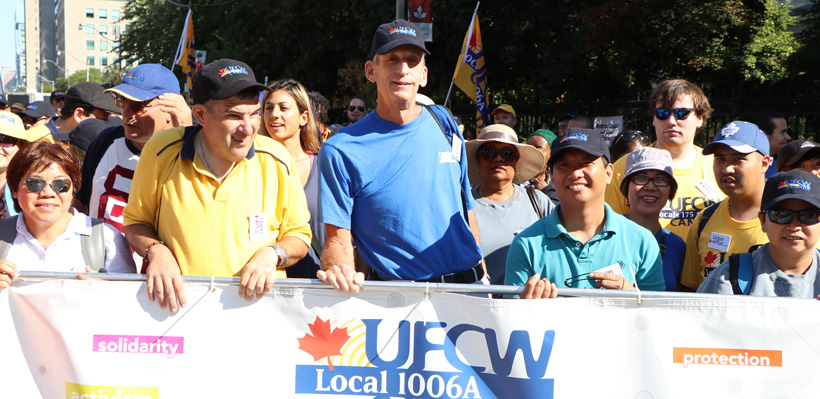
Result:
<point x="214" y="228"/>
<point x="722" y="236"/>
<point x="679" y="213"/>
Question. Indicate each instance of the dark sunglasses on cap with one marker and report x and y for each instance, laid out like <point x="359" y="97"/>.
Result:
<point x="507" y="154"/>
<point x="807" y="217"/>
<point x="36" y="185"/>
<point x="8" y="141"/>
<point x="355" y="107"/>
<point x="642" y="180"/>
<point x="680" y="113"/>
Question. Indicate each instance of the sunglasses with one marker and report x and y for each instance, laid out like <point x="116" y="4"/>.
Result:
<point x="642" y="180"/>
<point x="629" y="135"/>
<point x="8" y="141"/>
<point x="507" y="154"/>
<point x="807" y="217"/>
<point x="355" y="107"/>
<point x="136" y="107"/>
<point x="680" y="113"/>
<point x="36" y="185"/>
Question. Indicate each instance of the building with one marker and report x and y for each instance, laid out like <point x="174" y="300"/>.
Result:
<point x="61" y="37"/>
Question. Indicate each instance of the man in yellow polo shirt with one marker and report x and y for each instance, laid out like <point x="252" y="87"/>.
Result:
<point x="679" y="109"/>
<point x="217" y="199"/>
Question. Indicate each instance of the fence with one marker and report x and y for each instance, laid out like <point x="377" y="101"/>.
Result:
<point x="803" y="114"/>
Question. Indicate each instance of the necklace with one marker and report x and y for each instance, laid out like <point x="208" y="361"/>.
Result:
<point x="204" y="157"/>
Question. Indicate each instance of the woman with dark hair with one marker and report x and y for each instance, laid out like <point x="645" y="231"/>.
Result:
<point x="289" y="119"/>
<point x="48" y="232"/>
<point x="626" y="142"/>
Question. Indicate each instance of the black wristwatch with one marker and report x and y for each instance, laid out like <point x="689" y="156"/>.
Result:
<point x="282" y="254"/>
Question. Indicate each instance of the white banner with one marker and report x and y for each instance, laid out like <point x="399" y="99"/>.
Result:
<point x="95" y="340"/>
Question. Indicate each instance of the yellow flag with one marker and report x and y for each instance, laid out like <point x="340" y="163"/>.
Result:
<point x="470" y="75"/>
<point x="186" y="55"/>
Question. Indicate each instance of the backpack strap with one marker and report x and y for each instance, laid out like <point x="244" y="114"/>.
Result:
<point x="534" y="201"/>
<point x="740" y="273"/>
<point x="445" y="122"/>
<point x="8" y="231"/>
<point x="707" y="214"/>
<point x="94" y="246"/>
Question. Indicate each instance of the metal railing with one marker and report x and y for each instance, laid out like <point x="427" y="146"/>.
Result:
<point x="393" y="285"/>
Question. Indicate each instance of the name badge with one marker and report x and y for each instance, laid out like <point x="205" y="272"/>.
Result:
<point x="709" y="190"/>
<point x="258" y="227"/>
<point x="456" y="150"/>
<point x="445" y="157"/>
<point x="720" y="242"/>
<point x="614" y="268"/>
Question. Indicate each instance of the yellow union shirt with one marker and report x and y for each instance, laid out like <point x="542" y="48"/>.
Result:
<point x="722" y="236"/>
<point x="680" y="212"/>
<point x="214" y="228"/>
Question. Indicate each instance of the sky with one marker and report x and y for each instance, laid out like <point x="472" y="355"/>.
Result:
<point x="7" y="32"/>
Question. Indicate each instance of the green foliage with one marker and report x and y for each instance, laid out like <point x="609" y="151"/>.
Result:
<point x="771" y="45"/>
<point x="109" y="76"/>
<point x="545" y="51"/>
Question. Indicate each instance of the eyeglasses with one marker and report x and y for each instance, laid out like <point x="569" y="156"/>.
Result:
<point x="507" y="154"/>
<point x="36" y="185"/>
<point x="355" y="107"/>
<point x="136" y="107"/>
<point x="680" y="113"/>
<point x="785" y="216"/>
<point x="8" y="141"/>
<point x="642" y="180"/>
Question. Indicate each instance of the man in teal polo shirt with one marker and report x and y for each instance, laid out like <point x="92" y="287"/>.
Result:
<point x="583" y="243"/>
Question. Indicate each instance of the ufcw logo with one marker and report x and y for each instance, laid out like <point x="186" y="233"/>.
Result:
<point x="795" y="183"/>
<point x="360" y="369"/>
<point x="232" y="70"/>
<point x="402" y="30"/>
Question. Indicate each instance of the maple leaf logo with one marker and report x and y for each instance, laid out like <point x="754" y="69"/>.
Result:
<point x="419" y="14"/>
<point x="324" y="342"/>
<point x="710" y="258"/>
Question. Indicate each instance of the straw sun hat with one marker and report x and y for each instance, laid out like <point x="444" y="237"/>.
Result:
<point x="530" y="160"/>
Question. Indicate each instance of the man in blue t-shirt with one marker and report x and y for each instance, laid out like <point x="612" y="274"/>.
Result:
<point x="583" y="243"/>
<point x="395" y="184"/>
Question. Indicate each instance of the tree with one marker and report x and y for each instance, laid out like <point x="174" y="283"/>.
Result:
<point x="545" y="51"/>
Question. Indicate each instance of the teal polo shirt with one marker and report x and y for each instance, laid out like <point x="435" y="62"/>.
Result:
<point x="548" y="249"/>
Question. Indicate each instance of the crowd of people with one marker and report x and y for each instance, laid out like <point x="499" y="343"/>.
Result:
<point x="252" y="182"/>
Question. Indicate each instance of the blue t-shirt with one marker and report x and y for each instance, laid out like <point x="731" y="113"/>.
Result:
<point x="772" y="170"/>
<point x="548" y="249"/>
<point x="401" y="193"/>
<point x="673" y="258"/>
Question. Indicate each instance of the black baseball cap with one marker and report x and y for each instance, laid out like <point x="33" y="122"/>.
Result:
<point x="394" y="34"/>
<point x="88" y="94"/>
<point x="794" y="184"/>
<point x="39" y="109"/>
<point x="56" y="95"/>
<point x="589" y="141"/>
<point x="797" y="150"/>
<point x="86" y="131"/>
<point x="222" y="79"/>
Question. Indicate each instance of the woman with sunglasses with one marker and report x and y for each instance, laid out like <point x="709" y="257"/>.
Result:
<point x="288" y="119"/>
<point x="497" y="164"/>
<point x="627" y="142"/>
<point x="647" y="185"/>
<point x="788" y="264"/>
<point x="12" y="136"/>
<point x="44" y="178"/>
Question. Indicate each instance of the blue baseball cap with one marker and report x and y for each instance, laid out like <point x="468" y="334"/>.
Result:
<point x="743" y="137"/>
<point x="146" y="82"/>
